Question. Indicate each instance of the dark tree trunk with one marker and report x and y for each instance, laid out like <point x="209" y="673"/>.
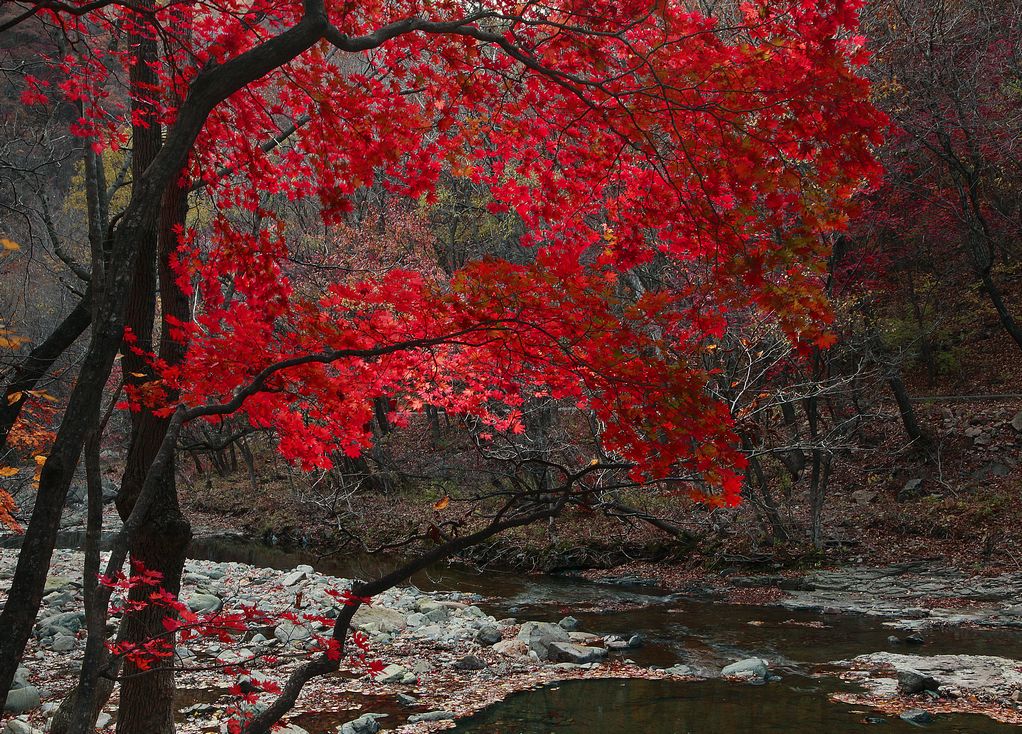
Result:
<point x="907" y="411"/>
<point x="1003" y="312"/>
<point x="147" y="700"/>
<point x="38" y="362"/>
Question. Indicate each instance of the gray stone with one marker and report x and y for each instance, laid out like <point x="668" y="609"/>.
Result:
<point x="911" y="682"/>
<point x="379" y="619"/>
<point x="748" y="668"/>
<point x="489" y="634"/>
<point x="288" y="631"/>
<point x="469" y="662"/>
<point x="103" y="719"/>
<point x="364" y="724"/>
<point x="405" y="700"/>
<point x="1016" y="422"/>
<point x="432" y="716"/>
<point x="913" y="488"/>
<point x="512" y="648"/>
<point x="201" y="603"/>
<point x="293" y="578"/>
<point x="567" y="652"/>
<point x="917" y="717"/>
<point x="393" y="673"/>
<point x="65" y="622"/>
<point x="63" y="643"/>
<point x="571" y="624"/>
<point x="55" y="583"/>
<point x="539" y="635"/>
<point x="22" y="699"/>
<point x="17" y="726"/>
<point x="110" y="490"/>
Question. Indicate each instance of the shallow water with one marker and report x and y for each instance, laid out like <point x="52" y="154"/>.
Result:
<point x="704" y="634"/>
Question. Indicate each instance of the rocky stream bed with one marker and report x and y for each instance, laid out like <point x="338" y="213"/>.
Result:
<point x="852" y="647"/>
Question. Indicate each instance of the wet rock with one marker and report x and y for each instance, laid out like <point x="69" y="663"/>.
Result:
<point x="567" y="652"/>
<point x="489" y="634"/>
<point x="911" y="682"/>
<point x="570" y="624"/>
<point x="755" y="668"/>
<point x="469" y="662"/>
<point x="405" y="700"/>
<point x="432" y="716"/>
<point x="917" y="717"/>
<point x="539" y="635"/>
<point x="614" y="642"/>
<point x="22" y="699"/>
<point x="894" y="640"/>
<point x="680" y="670"/>
<point x="915" y="639"/>
<point x="364" y="724"/>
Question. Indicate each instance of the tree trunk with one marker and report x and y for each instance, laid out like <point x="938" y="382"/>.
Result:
<point x="1003" y="312"/>
<point x="38" y="362"/>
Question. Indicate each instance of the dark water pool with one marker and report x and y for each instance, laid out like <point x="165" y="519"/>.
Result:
<point x="708" y="707"/>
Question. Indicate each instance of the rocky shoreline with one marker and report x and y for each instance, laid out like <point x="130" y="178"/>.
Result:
<point x="445" y="658"/>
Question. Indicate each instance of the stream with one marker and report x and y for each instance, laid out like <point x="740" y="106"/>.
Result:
<point x="703" y="634"/>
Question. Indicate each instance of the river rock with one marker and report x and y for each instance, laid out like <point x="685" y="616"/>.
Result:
<point x="917" y="717"/>
<point x="911" y="682"/>
<point x="469" y="662"/>
<point x="293" y="578"/>
<point x="288" y="631"/>
<point x="18" y="726"/>
<point x="748" y="668"/>
<point x="55" y="583"/>
<point x="393" y="673"/>
<point x="432" y="716"/>
<point x="201" y="603"/>
<point x="539" y="635"/>
<point x="570" y="624"/>
<point x="512" y="648"/>
<point x="378" y="619"/>
<point x="64" y="623"/>
<point x="567" y="652"/>
<point x="364" y="724"/>
<point x="489" y="634"/>
<point x="22" y="699"/>
<point x="63" y="643"/>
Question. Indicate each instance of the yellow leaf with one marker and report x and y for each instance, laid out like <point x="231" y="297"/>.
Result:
<point x="594" y="462"/>
<point x="442" y="503"/>
<point x="8" y="471"/>
<point x="137" y="374"/>
<point x="40" y="459"/>
<point x="7" y="244"/>
<point x="14" y="397"/>
<point x="12" y="342"/>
